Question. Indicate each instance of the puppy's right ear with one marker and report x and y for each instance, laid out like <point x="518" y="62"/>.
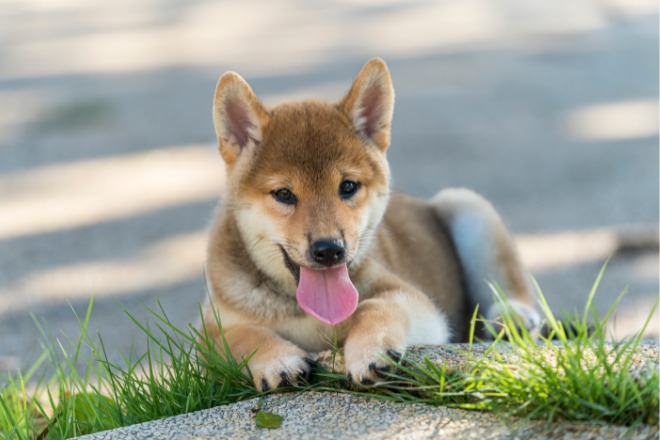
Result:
<point x="238" y="117"/>
<point x="370" y="103"/>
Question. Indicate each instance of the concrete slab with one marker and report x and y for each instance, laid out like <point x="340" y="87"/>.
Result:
<point x="315" y="415"/>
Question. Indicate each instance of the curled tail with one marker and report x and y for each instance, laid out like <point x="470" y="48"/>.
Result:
<point x="487" y="254"/>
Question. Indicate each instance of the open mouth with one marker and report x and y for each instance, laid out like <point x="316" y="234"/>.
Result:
<point x="293" y="267"/>
<point x="326" y="294"/>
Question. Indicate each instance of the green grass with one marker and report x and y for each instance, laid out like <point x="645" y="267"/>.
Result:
<point x="572" y="372"/>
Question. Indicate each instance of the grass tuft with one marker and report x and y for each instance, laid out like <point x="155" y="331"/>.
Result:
<point x="572" y="373"/>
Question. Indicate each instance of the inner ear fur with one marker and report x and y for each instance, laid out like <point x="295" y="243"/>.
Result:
<point x="238" y="116"/>
<point x="370" y="103"/>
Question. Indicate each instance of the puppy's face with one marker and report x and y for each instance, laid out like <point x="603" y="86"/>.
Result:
<point x="313" y="193"/>
<point x="308" y="182"/>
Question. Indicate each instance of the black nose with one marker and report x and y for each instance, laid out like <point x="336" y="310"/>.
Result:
<point x="328" y="252"/>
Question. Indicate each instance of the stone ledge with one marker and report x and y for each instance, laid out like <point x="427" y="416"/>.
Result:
<point x="344" y="416"/>
<point x="336" y="415"/>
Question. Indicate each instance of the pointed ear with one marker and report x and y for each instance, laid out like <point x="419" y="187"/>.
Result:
<point x="238" y="116"/>
<point x="370" y="103"/>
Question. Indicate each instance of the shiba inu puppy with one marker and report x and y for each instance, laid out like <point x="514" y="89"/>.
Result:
<point x="309" y="240"/>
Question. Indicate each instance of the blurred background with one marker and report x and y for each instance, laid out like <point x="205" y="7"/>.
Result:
<point x="109" y="172"/>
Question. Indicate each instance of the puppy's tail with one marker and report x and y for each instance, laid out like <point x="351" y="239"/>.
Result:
<point x="486" y="253"/>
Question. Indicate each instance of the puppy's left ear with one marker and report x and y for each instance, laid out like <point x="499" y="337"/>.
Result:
<point x="370" y="103"/>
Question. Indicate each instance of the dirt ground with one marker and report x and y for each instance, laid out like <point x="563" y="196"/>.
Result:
<point x="109" y="172"/>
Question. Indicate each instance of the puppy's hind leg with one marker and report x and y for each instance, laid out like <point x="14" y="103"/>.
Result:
<point x="487" y="254"/>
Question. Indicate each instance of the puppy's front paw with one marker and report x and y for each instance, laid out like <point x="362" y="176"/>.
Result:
<point x="280" y="366"/>
<point x="369" y="358"/>
<point x="528" y="316"/>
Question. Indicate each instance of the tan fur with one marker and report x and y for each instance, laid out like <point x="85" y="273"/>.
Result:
<point x="401" y="250"/>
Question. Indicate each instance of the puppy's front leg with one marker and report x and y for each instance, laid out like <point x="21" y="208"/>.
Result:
<point x="384" y="326"/>
<point x="276" y="362"/>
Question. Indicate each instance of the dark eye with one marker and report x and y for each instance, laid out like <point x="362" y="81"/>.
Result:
<point x="285" y="196"/>
<point x="348" y="188"/>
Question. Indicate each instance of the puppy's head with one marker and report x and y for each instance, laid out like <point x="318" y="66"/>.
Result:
<point x="308" y="181"/>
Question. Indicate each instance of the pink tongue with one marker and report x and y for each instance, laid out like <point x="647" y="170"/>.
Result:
<point x="328" y="295"/>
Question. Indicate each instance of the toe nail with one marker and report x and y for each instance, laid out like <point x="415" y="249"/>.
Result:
<point x="380" y="371"/>
<point x="264" y="385"/>
<point x="305" y="375"/>
<point x="311" y="363"/>
<point x="394" y="354"/>
<point x="285" y="380"/>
